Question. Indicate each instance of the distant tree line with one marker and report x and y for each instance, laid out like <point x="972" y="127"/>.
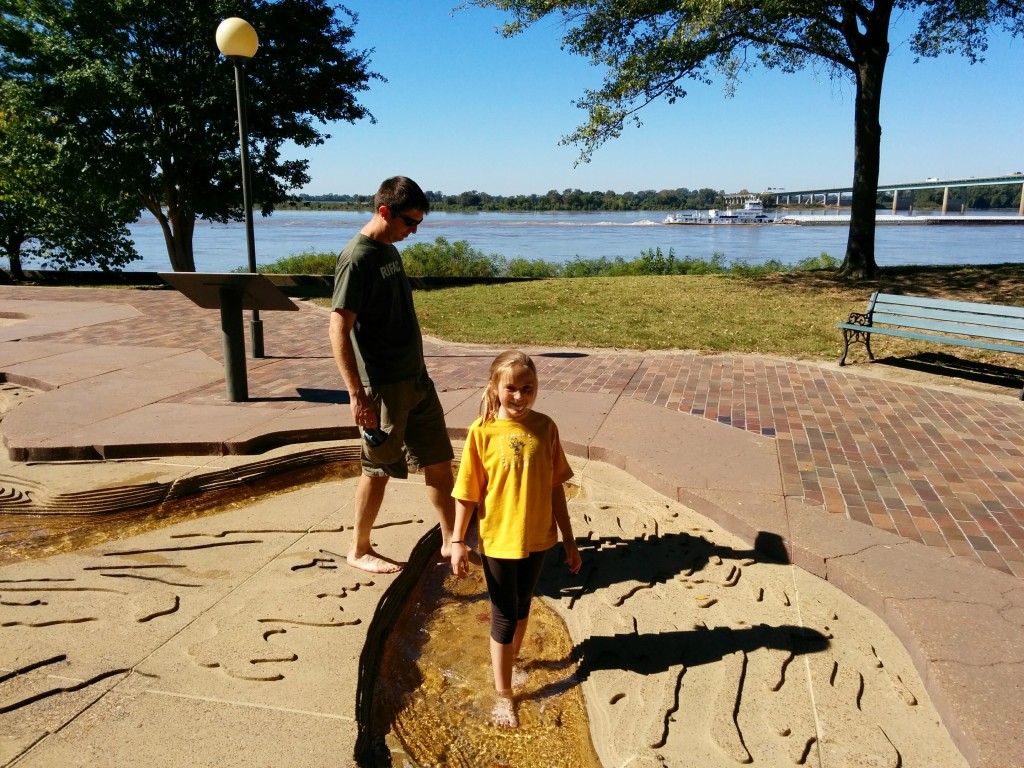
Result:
<point x="977" y="198"/>
<point x="566" y="200"/>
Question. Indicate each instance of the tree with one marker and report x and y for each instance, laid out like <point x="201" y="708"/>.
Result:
<point x="51" y="206"/>
<point x="140" y="87"/>
<point x="650" y="47"/>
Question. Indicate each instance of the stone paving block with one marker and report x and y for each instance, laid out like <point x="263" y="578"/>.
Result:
<point x="58" y="370"/>
<point x="981" y="705"/>
<point x="40" y="703"/>
<point x="579" y="416"/>
<point x="304" y="425"/>
<point x="103" y="397"/>
<point x="759" y="519"/>
<point x="697" y="454"/>
<point x="138" y="726"/>
<point x="817" y="541"/>
<point x="461" y="409"/>
<point x="27" y="351"/>
<point x="55" y="316"/>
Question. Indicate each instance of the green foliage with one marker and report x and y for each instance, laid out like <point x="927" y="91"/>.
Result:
<point x="580" y="267"/>
<point x="140" y="88"/>
<point x="444" y="259"/>
<point x="821" y="261"/>
<point x="459" y="259"/>
<point x="307" y="263"/>
<point x="50" y="211"/>
<point x="536" y="268"/>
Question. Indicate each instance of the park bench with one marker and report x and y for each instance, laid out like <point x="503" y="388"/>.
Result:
<point x="963" y="323"/>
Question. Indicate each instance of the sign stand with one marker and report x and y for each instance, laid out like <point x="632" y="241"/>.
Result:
<point x="231" y="293"/>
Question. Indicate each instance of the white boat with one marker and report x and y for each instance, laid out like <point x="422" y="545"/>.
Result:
<point x="752" y="212"/>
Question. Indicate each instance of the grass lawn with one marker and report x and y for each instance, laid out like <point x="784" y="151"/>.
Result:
<point x="790" y="314"/>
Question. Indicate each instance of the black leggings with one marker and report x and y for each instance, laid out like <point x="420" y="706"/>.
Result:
<point x="510" y="584"/>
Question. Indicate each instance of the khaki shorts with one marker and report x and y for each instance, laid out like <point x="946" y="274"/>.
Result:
<point x="411" y="413"/>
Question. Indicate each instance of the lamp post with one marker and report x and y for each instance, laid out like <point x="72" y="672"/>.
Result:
<point x="237" y="41"/>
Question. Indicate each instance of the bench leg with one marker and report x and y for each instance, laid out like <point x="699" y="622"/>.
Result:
<point x="863" y="337"/>
<point x="846" y="348"/>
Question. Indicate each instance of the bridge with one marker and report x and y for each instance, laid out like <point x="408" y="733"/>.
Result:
<point x="900" y="200"/>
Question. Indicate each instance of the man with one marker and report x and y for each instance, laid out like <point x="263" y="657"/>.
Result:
<point x="378" y="347"/>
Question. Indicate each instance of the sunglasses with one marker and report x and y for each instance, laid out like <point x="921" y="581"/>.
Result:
<point x="409" y="220"/>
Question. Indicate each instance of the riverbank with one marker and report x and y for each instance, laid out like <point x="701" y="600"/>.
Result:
<point x="936" y="219"/>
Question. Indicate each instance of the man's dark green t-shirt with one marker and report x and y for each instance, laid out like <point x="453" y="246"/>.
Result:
<point x="370" y="281"/>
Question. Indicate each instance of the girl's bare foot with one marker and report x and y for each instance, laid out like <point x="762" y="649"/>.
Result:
<point x="504" y="712"/>
<point x="371" y="562"/>
<point x="519" y="677"/>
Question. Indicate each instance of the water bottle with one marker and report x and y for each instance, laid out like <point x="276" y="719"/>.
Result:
<point x="374" y="436"/>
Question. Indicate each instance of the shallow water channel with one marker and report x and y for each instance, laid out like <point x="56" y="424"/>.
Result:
<point x="435" y="690"/>
<point x="48" y="529"/>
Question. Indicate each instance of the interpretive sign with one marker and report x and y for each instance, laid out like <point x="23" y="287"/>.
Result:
<point x="231" y="293"/>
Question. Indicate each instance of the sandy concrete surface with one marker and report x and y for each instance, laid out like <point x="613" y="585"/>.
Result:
<point x="698" y="651"/>
<point x="234" y="640"/>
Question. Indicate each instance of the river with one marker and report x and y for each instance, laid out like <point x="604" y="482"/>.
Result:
<point x="560" y="236"/>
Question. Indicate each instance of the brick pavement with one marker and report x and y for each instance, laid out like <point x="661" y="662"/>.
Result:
<point x="931" y="464"/>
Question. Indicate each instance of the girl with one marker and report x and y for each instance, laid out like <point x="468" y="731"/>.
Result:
<point x="512" y="471"/>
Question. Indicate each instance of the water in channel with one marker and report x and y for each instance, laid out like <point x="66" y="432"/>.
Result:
<point x="435" y="689"/>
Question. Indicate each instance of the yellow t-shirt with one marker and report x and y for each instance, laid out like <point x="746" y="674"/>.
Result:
<point x="509" y="468"/>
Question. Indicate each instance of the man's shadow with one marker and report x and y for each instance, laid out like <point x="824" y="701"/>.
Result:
<point x="650" y="654"/>
<point x="654" y="653"/>
<point x="650" y="560"/>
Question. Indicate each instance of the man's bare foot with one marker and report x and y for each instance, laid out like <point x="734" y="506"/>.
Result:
<point x="371" y="562"/>
<point x="504" y="713"/>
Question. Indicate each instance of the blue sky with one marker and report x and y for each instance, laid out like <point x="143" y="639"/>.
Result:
<point x="465" y="109"/>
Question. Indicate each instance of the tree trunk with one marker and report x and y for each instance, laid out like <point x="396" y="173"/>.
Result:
<point x="179" y="240"/>
<point x="13" y="250"/>
<point x="17" y="274"/>
<point x="177" y="227"/>
<point x="870" y="53"/>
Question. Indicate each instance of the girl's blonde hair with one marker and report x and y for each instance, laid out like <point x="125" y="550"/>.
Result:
<point x="501" y="369"/>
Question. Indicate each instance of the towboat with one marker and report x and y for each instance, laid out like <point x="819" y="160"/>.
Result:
<point x="752" y="212"/>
